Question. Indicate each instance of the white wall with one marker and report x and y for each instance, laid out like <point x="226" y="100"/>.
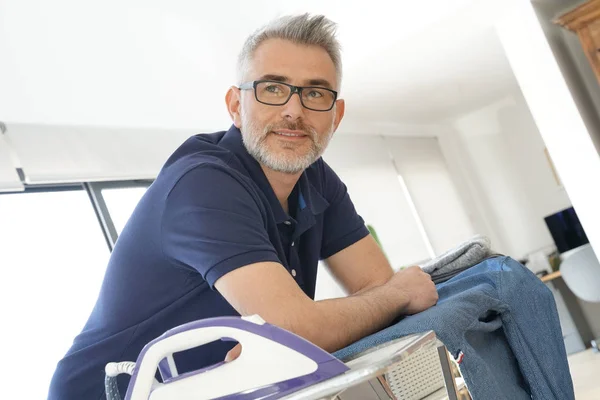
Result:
<point x="573" y="63"/>
<point x="9" y="179"/>
<point x="499" y="154"/>
<point x="574" y="94"/>
<point x="557" y="114"/>
<point x="528" y="150"/>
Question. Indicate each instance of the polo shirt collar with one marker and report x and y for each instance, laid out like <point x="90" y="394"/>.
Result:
<point x="309" y="196"/>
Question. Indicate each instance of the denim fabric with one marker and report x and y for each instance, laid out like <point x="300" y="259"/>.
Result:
<point x="504" y="320"/>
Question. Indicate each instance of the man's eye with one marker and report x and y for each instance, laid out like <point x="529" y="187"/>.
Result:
<point x="315" y="94"/>
<point x="273" y="88"/>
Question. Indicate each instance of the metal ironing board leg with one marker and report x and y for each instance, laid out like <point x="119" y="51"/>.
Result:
<point x="449" y="381"/>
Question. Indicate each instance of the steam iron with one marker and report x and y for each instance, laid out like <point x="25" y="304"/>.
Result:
<point x="273" y="363"/>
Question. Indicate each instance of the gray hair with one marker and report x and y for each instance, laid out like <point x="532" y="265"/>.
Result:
<point x="301" y="29"/>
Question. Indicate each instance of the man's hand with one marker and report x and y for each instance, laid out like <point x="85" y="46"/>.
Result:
<point x="234" y="353"/>
<point x="416" y="287"/>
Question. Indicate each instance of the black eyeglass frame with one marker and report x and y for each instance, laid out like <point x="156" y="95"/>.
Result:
<point x="293" y="89"/>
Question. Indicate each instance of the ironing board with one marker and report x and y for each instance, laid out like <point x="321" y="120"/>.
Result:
<point x="412" y="367"/>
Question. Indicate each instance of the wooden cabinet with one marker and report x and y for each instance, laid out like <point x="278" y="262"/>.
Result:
<point x="585" y="22"/>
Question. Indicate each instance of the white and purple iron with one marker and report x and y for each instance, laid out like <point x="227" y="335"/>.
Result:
<point x="273" y="363"/>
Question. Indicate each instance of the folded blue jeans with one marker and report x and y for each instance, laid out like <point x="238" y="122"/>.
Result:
<point x="504" y="321"/>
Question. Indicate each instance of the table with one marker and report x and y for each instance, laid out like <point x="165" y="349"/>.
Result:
<point x="552" y="276"/>
<point x="581" y="323"/>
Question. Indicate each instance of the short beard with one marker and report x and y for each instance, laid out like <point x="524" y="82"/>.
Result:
<point x="254" y="139"/>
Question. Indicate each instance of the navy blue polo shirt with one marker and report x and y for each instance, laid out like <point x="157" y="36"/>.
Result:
<point x="211" y="210"/>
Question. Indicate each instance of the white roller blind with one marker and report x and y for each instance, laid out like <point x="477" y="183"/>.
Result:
<point x="63" y="154"/>
<point x="436" y="198"/>
<point x="9" y="179"/>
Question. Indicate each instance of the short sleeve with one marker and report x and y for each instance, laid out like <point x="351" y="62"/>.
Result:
<point x="213" y="223"/>
<point x="342" y="225"/>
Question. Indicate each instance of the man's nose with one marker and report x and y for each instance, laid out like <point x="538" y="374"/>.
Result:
<point x="293" y="109"/>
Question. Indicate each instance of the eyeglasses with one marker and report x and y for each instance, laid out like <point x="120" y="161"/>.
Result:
<point x="274" y="93"/>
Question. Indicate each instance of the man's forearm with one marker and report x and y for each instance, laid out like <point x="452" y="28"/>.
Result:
<point x="330" y="324"/>
<point x="336" y="323"/>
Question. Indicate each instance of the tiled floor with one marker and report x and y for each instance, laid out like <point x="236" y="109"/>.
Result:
<point x="585" y="370"/>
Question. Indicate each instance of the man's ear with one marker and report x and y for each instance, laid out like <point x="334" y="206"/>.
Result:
<point x="233" y="101"/>
<point x="340" y="109"/>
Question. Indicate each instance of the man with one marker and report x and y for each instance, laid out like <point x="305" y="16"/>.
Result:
<point x="237" y="221"/>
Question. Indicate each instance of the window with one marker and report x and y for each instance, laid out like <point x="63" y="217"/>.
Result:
<point x="114" y="203"/>
<point x="53" y="257"/>
<point x="121" y="202"/>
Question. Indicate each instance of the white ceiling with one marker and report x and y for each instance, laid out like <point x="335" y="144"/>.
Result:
<point x="169" y="63"/>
